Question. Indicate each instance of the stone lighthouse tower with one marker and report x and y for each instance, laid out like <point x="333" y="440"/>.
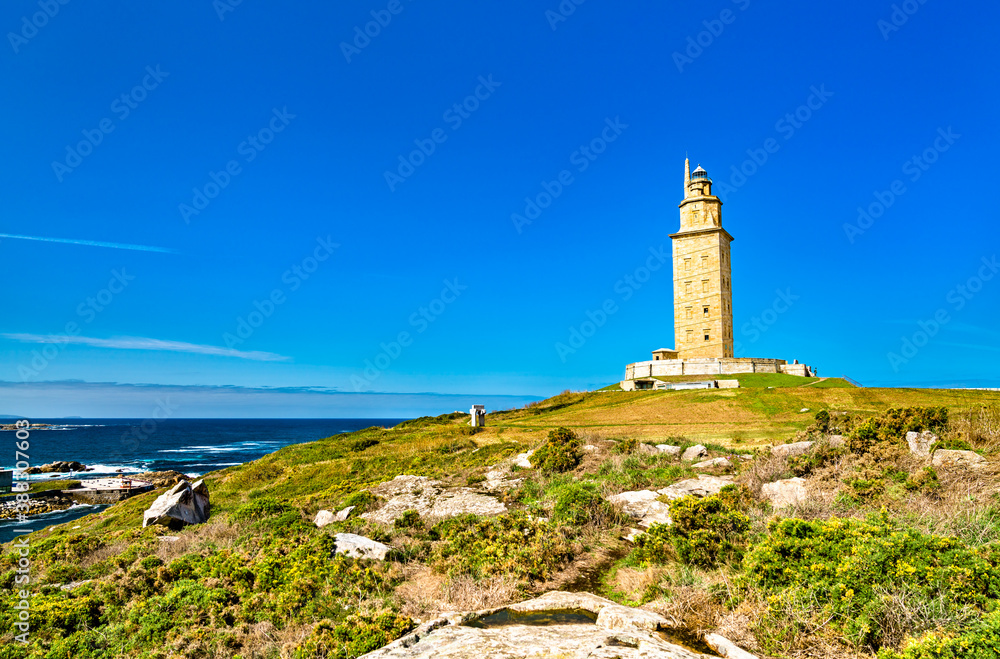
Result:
<point x="703" y="300"/>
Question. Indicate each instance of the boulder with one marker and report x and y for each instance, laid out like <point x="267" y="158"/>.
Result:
<point x="727" y="648"/>
<point x="920" y="442"/>
<point x="161" y="478"/>
<point x="716" y="462"/>
<point x="616" y="631"/>
<point x="788" y="450"/>
<point x="669" y="449"/>
<point x="646" y="449"/>
<point x="523" y="460"/>
<point x="184" y="503"/>
<point x="58" y="467"/>
<point x="430" y="499"/>
<point x="702" y="486"/>
<point x="837" y="441"/>
<point x="694" y="452"/>
<point x="343" y="514"/>
<point x="950" y="458"/>
<point x="323" y="518"/>
<point x="642" y="505"/>
<point x="785" y="493"/>
<point x="359" y="546"/>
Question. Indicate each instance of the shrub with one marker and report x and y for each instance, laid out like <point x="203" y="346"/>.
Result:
<point x="892" y="426"/>
<point x="259" y="509"/>
<point x="408" y="520"/>
<point x="925" y="479"/>
<point x="508" y="544"/>
<point x="979" y="640"/>
<point x="579" y="504"/>
<point x="362" y="501"/>
<point x="353" y="637"/>
<point x="626" y="446"/>
<point x="808" y="462"/>
<point x="561" y="452"/>
<point x="842" y="567"/>
<point x="705" y="532"/>
<point x="363" y="443"/>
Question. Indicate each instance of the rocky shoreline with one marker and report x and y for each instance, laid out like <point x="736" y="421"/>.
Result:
<point x="36" y="506"/>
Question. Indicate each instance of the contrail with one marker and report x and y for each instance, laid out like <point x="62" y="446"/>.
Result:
<point x="92" y="243"/>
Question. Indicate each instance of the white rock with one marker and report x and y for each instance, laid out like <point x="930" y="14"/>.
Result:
<point x="359" y="546"/>
<point x="785" y="493"/>
<point x="633" y="534"/>
<point x="430" y="500"/>
<point x="947" y="457"/>
<point x="622" y="618"/>
<point x="804" y="409"/>
<point x="715" y="462"/>
<point x="788" y="450"/>
<point x="669" y="449"/>
<point x="702" y="486"/>
<point x="920" y="442"/>
<point x="694" y="452"/>
<point x="324" y="518"/>
<point x="342" y="515"/>
<point x="837" y="441"/>
<point x="646" y="449"/>
<point x="589" y="448"/>
<point x="523" y="460"/>
<point x="642" y="506"/>
<point x="727" y="648"/>
<point x="184" y="503"/>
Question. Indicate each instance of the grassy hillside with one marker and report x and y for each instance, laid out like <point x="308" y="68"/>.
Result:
<point x="260" y="580"/>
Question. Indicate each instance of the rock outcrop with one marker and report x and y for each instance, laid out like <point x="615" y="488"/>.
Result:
<point x="161" y="478"/>
<point x="669" y="449"/>
<point x="616" y="631"/>
<point x="702" y="486"/>
<point x="58" y="467"/>
<point x="785" y="493"/>
<point x="920" y="442"/>
<point x="326" y="517"/>
<point x="359" y="546"/>
<point x="430" y="499"/>
<point x="642" y="506"/>
<point x="788" y="450"/>
<point x="715" y="462"/>
<point x="951" y="458"/>
<point x="695" y="452"/>
<point x="184" y="503"/>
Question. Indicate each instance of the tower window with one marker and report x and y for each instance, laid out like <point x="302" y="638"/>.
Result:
<point x="687" y="264"/>
<point x="706" y="311"/>
<point x="687" y="287"/>
<point x="704" y="262"/>
<point x="706" y="335"/>
<point x="688" y="313"/>
<point x="690" y="336"/>
<point x="704" y="285"/>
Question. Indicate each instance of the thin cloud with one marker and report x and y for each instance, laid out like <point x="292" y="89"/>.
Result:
<point x="92" y="243"/>
<point x="141" y="343"/>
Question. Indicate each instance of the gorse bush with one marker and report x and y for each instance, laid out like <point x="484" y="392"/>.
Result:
<point x="511" y="544"/>
<point x="561" y="452"/>
<point x="844" y="565"/>
<point x="259" y="509"/>
<point x="353" y="637"/>
<point x="892" y="426"/>
<point x="705" y="532"/>
<point x="979" y="639"/>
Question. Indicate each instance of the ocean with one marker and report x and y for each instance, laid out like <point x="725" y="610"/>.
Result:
<point x="191" y="446"/>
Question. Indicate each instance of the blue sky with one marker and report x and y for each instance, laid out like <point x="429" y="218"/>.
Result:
<point x="258" y="197"/>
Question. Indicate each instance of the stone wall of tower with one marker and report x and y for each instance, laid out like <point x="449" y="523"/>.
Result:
<point x="703" y="301"/>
